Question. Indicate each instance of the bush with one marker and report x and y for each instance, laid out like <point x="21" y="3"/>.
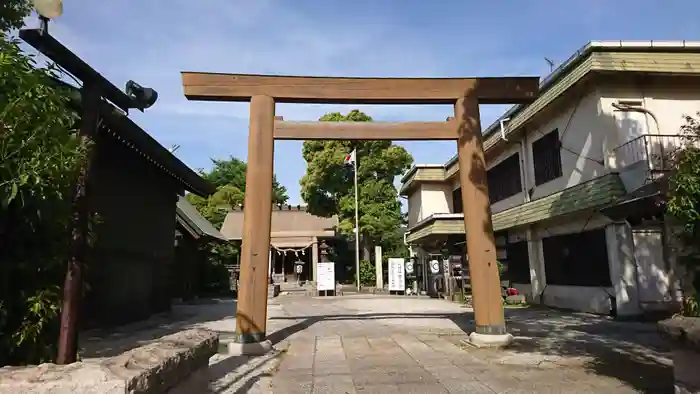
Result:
<point x="683" y="206"/>
<point x="501" y="269"/>
<point x="368" y="273"/>
<point x="215" y="277"/>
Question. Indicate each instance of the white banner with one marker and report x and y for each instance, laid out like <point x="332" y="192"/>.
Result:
<point x="325" y="277"/>
<point x="397" y="278"/>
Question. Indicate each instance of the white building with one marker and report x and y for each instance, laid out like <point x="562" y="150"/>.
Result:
<point x="574" y="180"/>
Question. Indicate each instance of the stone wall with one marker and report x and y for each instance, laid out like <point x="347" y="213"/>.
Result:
<point x="684" y="335"/>
<point x="151" y="369"/>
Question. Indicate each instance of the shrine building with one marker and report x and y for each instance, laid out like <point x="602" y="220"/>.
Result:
<point x="294" y="239"/>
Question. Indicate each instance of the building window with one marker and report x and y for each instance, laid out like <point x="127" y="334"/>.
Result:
<point x="504" y="179"/>
<point x="546" y="156"/>
<point x="457" y="201"/>
<point x="579" y="259"/>
<point x="517" y="262"/>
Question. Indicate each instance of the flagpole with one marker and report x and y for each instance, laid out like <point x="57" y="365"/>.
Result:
<point x="357" y="228"/>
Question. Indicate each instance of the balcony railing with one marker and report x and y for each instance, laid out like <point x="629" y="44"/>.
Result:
<point x="654" y="149"/>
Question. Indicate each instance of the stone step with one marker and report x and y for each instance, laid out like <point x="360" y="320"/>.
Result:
<point x="273" y="291"/>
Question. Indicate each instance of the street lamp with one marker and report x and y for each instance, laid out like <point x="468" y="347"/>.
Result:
<point x="48" y="9"/>
<point x="133" y="96"/>
<point x="141" y="97"/>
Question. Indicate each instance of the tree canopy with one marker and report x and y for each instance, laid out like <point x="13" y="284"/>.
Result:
<point x="229" y="178"/>
<point x="328" y="185"/>
<point x="12" y="13"/>
<point x="232" y="172"/>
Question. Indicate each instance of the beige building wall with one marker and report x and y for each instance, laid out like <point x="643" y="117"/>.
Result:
<point x="428" y="199"/>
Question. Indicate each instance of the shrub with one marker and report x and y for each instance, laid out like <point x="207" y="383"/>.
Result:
<point x="368" y="274"/>
<point x="40" y="153"/>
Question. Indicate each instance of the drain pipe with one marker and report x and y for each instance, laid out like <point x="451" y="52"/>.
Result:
<point x="630" y="108"/>
<point x="503" y="129"/>
<point x="410" y="250"/>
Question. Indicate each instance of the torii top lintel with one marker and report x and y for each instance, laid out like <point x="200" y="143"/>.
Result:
<point x="332" y="90"/>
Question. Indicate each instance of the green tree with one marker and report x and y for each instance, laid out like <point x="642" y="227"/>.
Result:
<point x="684" y="206"/>
<point x="40" y="153"/>
<point x="215" y="207"/>
<point x="229" y="178"/>
<point x="232" y="172"/>
<point x="328" y="188"/>
<point x="12" y="14"/>
<point x="368" y="273"/>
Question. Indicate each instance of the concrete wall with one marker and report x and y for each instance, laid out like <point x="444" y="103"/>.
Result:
<point x="582" y="298"/>
<point x="669" y="100"/>
<point x="414" y="206"/>
<point x="653" y="270"/>
<point x="640" y="275"/>
<point x="585" y="139"/>
<point x="428" y="199"/>
<point x="134" y="244"/>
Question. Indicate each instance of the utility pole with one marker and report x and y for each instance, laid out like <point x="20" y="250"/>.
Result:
<point x="357" y="226"/>
<point x="352" y="159"/>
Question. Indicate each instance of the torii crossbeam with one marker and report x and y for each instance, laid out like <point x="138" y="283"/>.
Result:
<point x="263" y="91"/>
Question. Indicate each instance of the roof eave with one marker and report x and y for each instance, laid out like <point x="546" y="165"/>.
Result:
<point x="141" y="142"/>
<point x="579" y="56"/>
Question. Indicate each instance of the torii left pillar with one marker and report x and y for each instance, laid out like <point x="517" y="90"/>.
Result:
<point x="251" y="310"/>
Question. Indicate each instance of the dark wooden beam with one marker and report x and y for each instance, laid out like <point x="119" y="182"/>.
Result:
<point x="54" y="50"/>
<point x="420" y="131"/>
<point x="329" y="90"/>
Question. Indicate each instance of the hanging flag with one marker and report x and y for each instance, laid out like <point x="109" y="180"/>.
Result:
<point x="350" y="159"/>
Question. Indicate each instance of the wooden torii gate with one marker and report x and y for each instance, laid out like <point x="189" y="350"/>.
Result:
<point x="263" y="91"/>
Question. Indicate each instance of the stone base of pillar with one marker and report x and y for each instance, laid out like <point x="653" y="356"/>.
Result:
<point x="273" y="291"/>
<point x="249" y="349"/>
<point x="488" y="340"/>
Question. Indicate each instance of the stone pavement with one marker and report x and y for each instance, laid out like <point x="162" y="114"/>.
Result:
<point x="393" y="344"/>
<point x="368" y="344"/>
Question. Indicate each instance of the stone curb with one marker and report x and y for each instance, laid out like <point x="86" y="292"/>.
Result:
<point x="682" y="331"/>
<point x="152" y="369"/>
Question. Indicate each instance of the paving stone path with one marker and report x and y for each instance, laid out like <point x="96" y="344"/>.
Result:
<point x="385" y="344"/>
<point x="402" y="345"/>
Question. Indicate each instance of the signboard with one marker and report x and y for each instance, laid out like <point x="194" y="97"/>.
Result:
<point x="409" y="267"/>
<point x="325" y="277"/>
<point x="397" y="279"/>
<point x="434" y="266"/>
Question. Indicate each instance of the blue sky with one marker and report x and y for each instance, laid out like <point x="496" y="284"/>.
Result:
<point x="152" y="41"/>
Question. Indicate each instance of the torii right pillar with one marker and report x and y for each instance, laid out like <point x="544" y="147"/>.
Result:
<point x="490" y="328"/>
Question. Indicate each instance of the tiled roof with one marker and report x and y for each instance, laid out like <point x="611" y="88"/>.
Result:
<point x="188" y="216"/>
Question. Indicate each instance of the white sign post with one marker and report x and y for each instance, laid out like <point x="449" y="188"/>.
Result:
<point x="326" y="277"/>
<point x="397" y="276"/>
